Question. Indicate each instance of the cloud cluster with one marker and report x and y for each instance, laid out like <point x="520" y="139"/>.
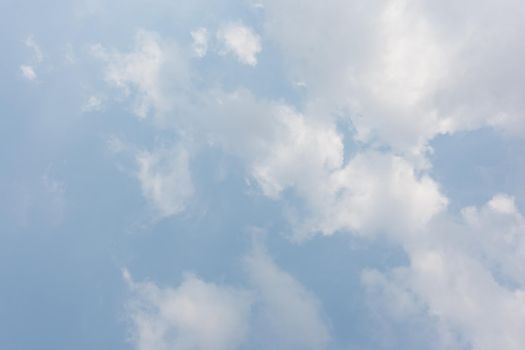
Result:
<point x="401" y="72"/>
<point x="284" y="149"/>
<point x="405" y="70"/>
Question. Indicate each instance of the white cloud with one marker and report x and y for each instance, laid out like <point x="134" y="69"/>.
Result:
<point x="405" y="71"/>
<point x="300" y="153"/>
<point x="400" y="318"/>
<point x="459" y="290"/>
<point x="497" y="233"/>
<point x="275" y="309"/>
<point x="144" y="72"/>
<point x="242" y="41"/>
<point x="289" y="313"/>
<point x="165" y="179"/>
<point x="93" y="104"/>
<point x="372" y="192"/>
<point x="376" y="193"/>
<point x="28" y="72"/>
<point x="287" y="150"/>
<point x="195" y="315"/>
<point x="469" y="276"/>
<point x="284" y="149"/>
<point x="200" y="42"/>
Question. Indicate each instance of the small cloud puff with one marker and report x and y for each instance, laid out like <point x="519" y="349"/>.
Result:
<point x="242" y="41"/>
<point x="93" y="104"/>
<point x="28" y="72"/>
<point x="200" y="42"/>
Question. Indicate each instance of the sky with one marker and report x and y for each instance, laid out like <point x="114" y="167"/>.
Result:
<point x="262" y="174"/>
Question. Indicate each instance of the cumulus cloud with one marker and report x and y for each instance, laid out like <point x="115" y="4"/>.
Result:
<point x="405" y="71"/>
<point x="140" y="72"/>
<point x="274" y="308"/>
<point x="195" y="315"/>
<point x="299" y="154"/>
<point x="394" y="88"/>
<point x="468" y="276"/>
<point x="376" y="193"/>
<point x="372" y="192"/>
<point x="165" y="179"/>
<point x="285" y="150"/>
<point x="241" y="41"/>
<point x="200" y="42"/>
<point x="402" y="72"/>
<point x="497" y="232"/>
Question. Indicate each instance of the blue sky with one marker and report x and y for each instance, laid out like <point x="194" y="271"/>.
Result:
<point x="262" y="175"/>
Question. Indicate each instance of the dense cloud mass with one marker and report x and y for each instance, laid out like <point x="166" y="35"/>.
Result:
<point x="182" y="127"/>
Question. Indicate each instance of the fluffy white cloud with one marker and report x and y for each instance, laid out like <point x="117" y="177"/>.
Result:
<point x="375" y="193"/>
<point x="151" y="72"/>
<point x="200" y="42"/>
<point x="28" y="72"/>
<point x="469" y="276"/>
<point x="396" y="72"/>
<point x="287" y="150"/>
<point x="165" y="179"/>
<point x="242" y="41"/>
<point x="284" y="149"/>
<point x="405" y="70"/>
<point x="275" y="309"/>
<point x="496" y="232"/>
<point x="195" y="315"/>
<point x="297" y="155"/>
